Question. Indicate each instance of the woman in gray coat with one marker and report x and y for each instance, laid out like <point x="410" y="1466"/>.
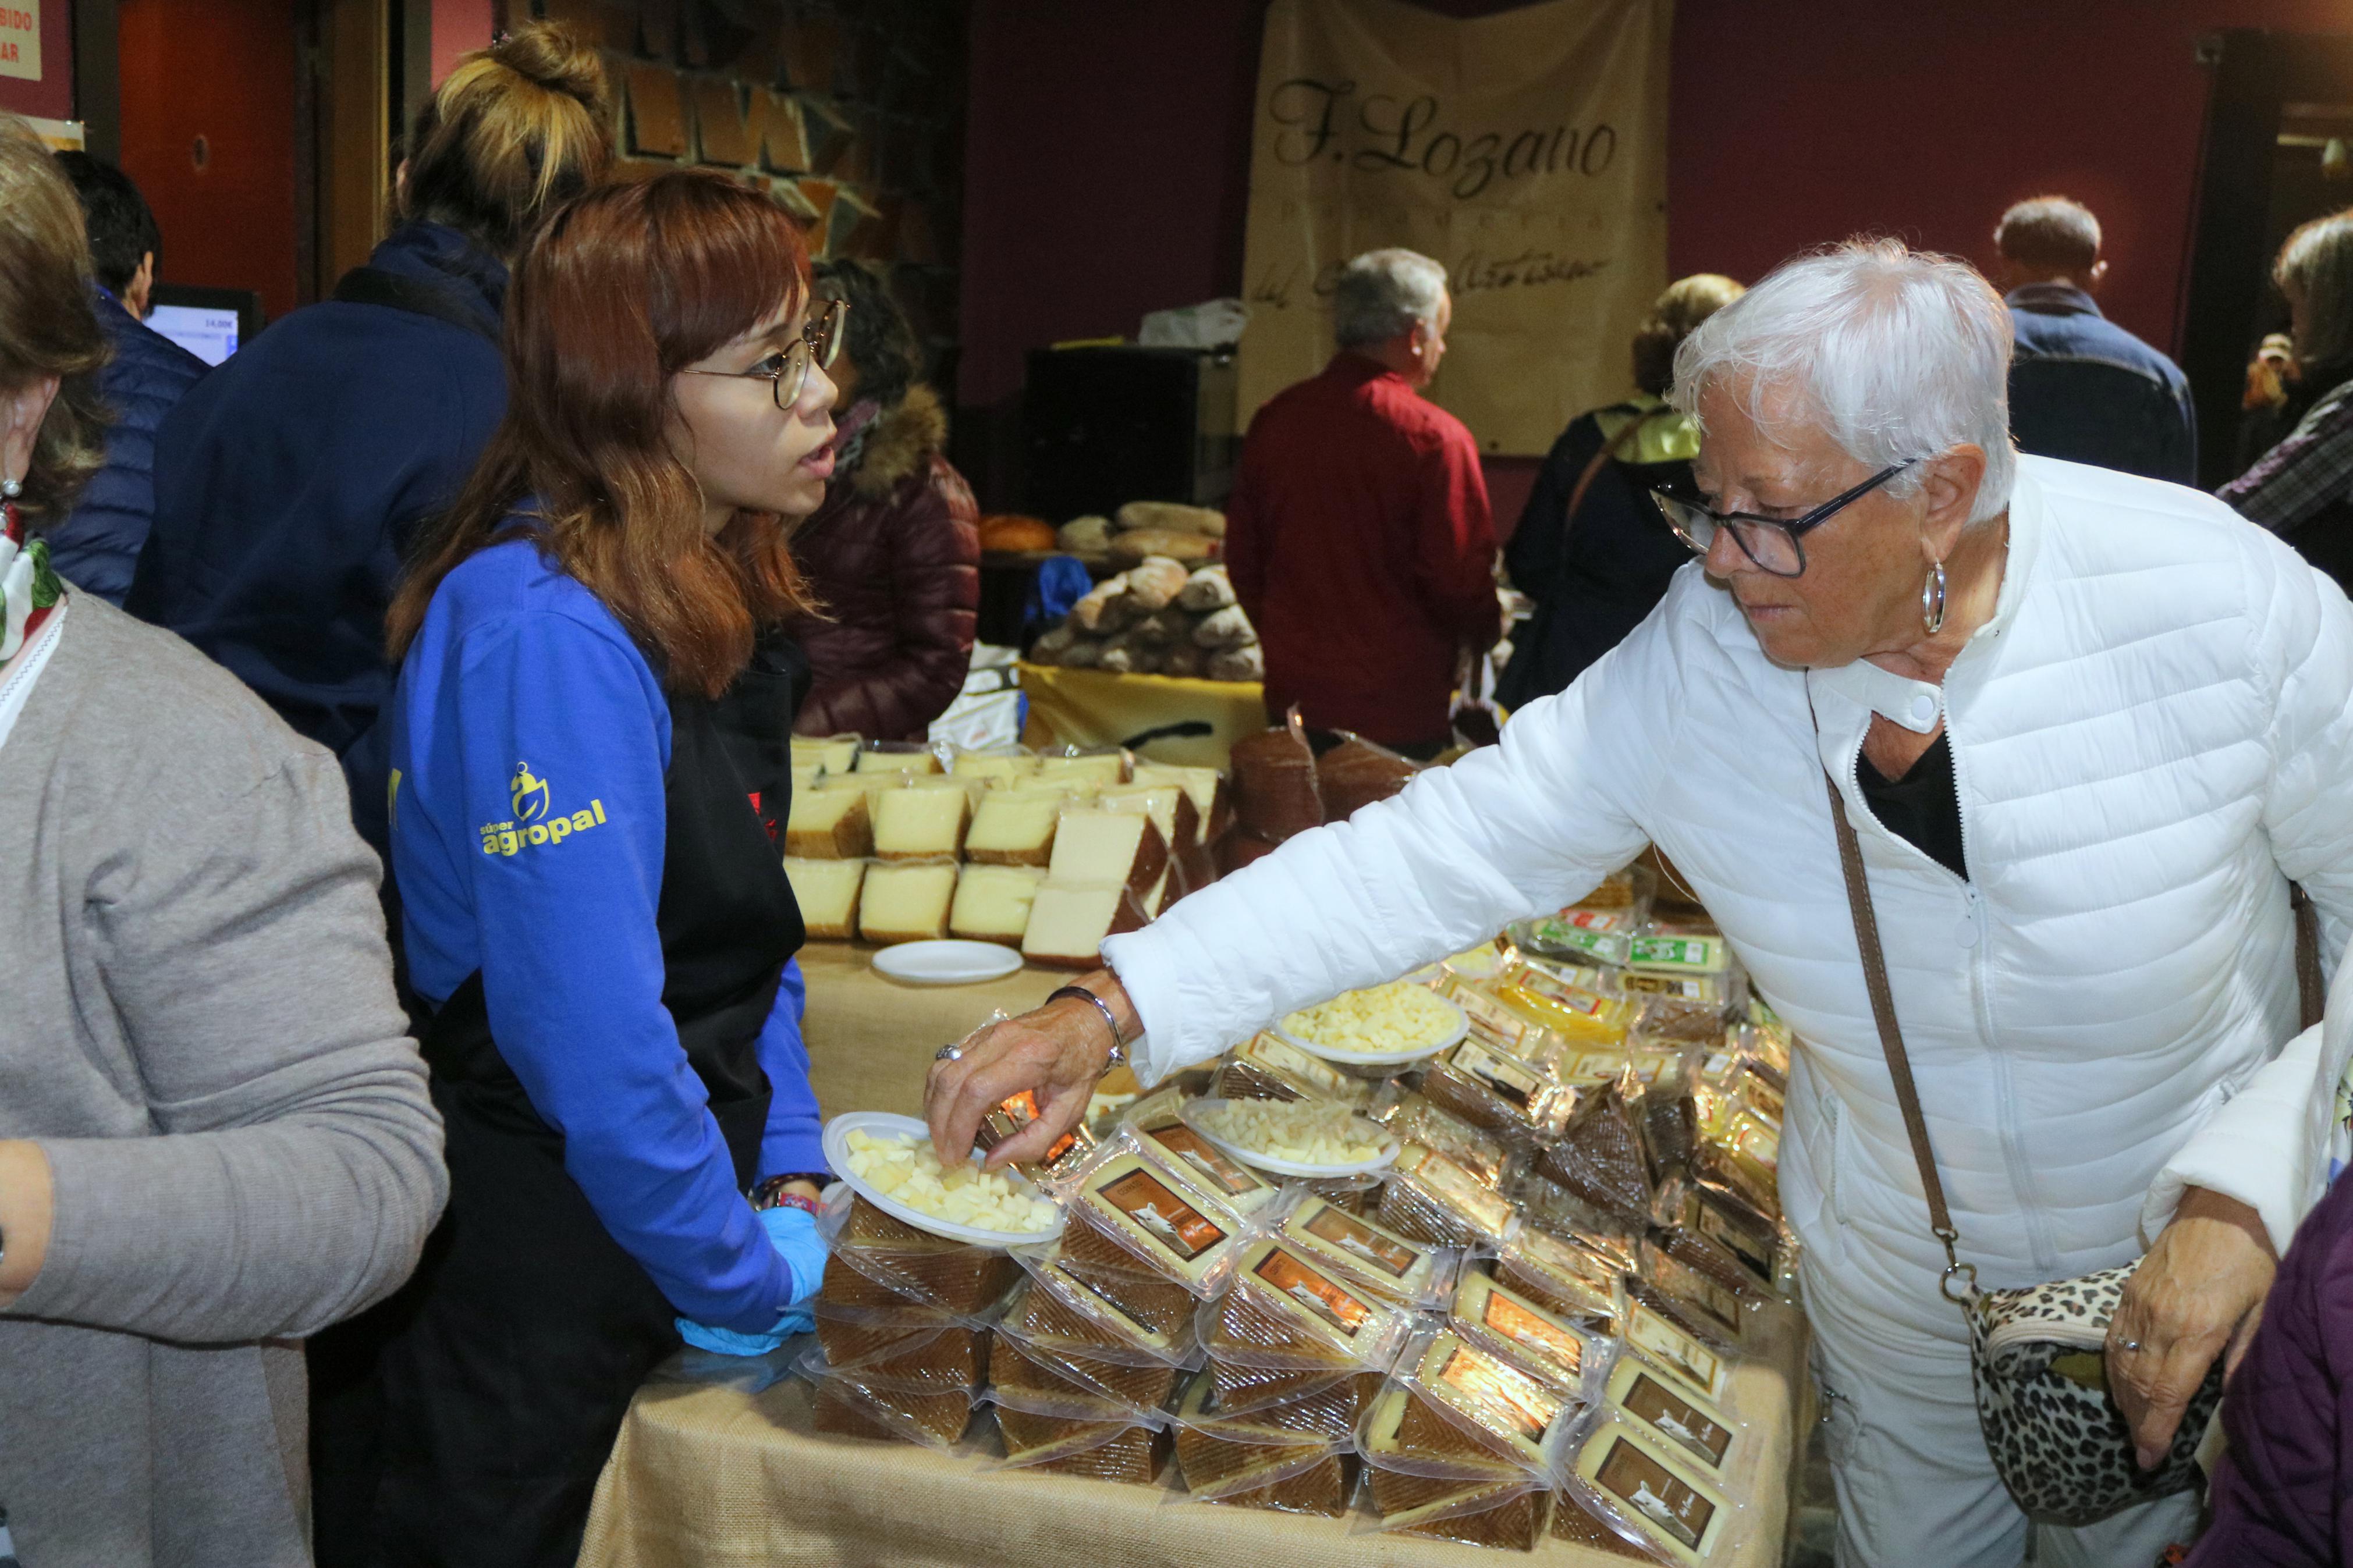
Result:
<point x="213" y="1137"/>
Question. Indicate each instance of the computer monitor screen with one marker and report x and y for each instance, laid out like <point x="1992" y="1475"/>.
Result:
<point x="210" y="324"/>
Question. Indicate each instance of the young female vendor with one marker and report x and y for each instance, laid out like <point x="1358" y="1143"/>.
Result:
<point x="591" y="752"/>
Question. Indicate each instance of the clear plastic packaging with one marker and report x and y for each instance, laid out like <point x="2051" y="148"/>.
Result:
<point x="1045" y="1434"/>
<point x="1132" y="1215"/>
<point x="900" y="757"/>
<point x="1676" y="1416"/>
<point x="1392" y="1266"/>
<point x="1459" y="1409"/>
<point x="1053" y="1167"/>
<point x="1083" y="765"/>
<point x="1114" y="1313"/>
<point x="1286" y="1456"/>
<point x="1650" y="1494"/>
<point x="1508" y="1515"/>
<point x="1574" y="1280"/>
<point x="1037" y="1367"/>
<point x="864" y="1405"/>
<point x="1165" y="1137"/>
<point x="935" y="1358"/>
<point x="1572" y="1011"/>
<point x="914" y="1265"/>
<point x="1286" y="1312"/>
<point x="1266" y="1067"/>
<point x="1429" y="1199"/>
<point x="1494" y="1317"/>
<point x="1416" y="1119"/>
<point x="1581" y="937"/>
<point x="1690" y="1358"/>
<point x="1599" y="1157"/>
<point x="1667" y="1115"/>
<point x="1702" y="1305"/>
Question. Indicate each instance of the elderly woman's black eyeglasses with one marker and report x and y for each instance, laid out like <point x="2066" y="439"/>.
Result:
<point x="1771" y="542"/>
<point x="787" y="371"/>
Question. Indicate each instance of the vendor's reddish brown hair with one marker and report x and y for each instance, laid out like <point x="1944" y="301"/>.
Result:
<point x="625" y="288"/>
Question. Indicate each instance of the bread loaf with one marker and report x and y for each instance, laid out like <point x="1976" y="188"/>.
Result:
<point x="1088" y="613"/>
<point x="1237" y="664"/>
<point x="1186" y="661"/>
<point x="1225" y="628"/>
<point x="1206" y="590"/>
<point x="1085" y="535"/>
<point x="1132" y="549"/>
<point x="1157" y="581"/>
<point x="1012" y="531"/>
<point x="1171" y="516"/>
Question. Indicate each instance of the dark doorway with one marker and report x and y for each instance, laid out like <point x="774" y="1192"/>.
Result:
<point x="2279" y="151"/>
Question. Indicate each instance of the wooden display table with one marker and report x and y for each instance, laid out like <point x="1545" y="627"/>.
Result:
<point x="870" y="1040"/>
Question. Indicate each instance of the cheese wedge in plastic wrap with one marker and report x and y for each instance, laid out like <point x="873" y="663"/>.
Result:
<point x="827" y="891"/>
<point x="908" y="901"/>
<point x="829" y="825"/>
<point x="993" y="903"/>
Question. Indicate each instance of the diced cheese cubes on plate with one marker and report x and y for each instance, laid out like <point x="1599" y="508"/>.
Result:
<point x="1399" y="1017"/>
<point x="908" y="1171"/>
<point x="1300" y="1132"/>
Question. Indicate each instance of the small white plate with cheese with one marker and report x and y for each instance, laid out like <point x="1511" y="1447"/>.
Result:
<point x="889" y="1127"/>
<point x="1446" y="1025"/>
<point x="1205" y="1117"/>
<point x="948" y="963"/>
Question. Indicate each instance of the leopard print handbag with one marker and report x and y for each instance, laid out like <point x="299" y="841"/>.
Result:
<point x="2038" y="1355"/>
<point x="2038" y="1359"/>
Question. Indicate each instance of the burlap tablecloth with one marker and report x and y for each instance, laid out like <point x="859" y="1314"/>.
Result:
<point x="870" y="1040"/>
<point x="710" y="1474"/>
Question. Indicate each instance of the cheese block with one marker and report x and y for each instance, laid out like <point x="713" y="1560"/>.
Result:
<point x="1473" y="1405"/>
<point x="1015" y="827"/>
<point x="1171" y="809"/>
<point x="1161" y="1222"/>
<point x="1497" y="1318"/>
<point x="920" y="823"/>
<point x="1100" y="767"/>
<point x="1659" y="1490"/>
<point x="1275" y="793"/>
<point x="1068" y="924"/>
<point x="806" y="776"/>
<point x="1206" y="786"/>
<point x="1167" y="1137"/>
<point x="992" y="902"/>
<point x="997" y="767"/>
<point x="1356" y="772"/>
<point x="1285" y="1311"/>
<point x="1384" y="1263"/>
<point x="834" y="753"/>
<point x="912" y="760"/>
<point x="829" y="825"/>
<point x="1672" y="1413"/>
<point x="906" y="903"/>
<point x="827" y="891"/>
<point x="1115" y="848"/>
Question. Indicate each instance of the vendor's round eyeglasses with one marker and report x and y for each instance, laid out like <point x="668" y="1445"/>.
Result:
<point x="787" y="369"/>
<point x="1773" y="543"/>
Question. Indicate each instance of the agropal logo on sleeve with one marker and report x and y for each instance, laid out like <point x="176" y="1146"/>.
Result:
<point x="536" y="821"/>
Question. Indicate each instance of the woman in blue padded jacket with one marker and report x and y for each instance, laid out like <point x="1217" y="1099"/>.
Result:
<point x="591" y="755"/>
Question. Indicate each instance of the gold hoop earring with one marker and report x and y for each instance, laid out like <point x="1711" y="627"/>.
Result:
<point x="1932" y="600"/>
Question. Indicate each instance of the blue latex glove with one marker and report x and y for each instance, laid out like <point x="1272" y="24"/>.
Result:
<point x="793" y="1233"/>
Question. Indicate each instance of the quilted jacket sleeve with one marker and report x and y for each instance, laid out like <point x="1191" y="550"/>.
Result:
<point x="934" y="564"/>
<point x="2269" y="1146"/>
<point x="1508" y="831"/>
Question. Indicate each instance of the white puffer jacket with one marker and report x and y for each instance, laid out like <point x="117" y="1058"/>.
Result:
<point x="2153" y="728"/>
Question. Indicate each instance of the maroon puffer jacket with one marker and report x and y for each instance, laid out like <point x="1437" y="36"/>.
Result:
<point x="894" y="557"/>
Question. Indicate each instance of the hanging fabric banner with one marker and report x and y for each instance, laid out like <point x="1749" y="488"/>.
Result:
<point x="1527" y="151"/>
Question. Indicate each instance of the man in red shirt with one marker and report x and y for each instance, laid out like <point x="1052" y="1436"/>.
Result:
<point x="1358" y="536"/>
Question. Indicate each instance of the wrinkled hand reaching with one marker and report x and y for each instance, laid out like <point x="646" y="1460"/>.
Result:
<point x="1058" y="1051"/>
<point x="2200" y="1289"/>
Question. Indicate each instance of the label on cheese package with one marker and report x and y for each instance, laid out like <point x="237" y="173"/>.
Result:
<point x="1490" y="1019"/>
<point x="1676" y="1508"/>
<point x="1513" y="1080"/>
<point x="1312" y="1073"/>
<point x="1487" y="1313"/>
<point x="1204" y="1162"/>
<point x="1176" y="1225"/>
<point x="1321" y="1297"/>
<point x="1504" y="1400"/>
<point x="1683" y="1355"/>
<point x="1692" y="955"/>
<point x="1697" y="1427"/>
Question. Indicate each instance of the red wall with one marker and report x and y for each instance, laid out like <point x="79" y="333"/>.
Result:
<point x="224" y="70"/>
<point x="1109" y="146"/>
<point x="52" y="98"/>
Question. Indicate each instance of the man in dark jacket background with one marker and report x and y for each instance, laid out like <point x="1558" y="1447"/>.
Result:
<point x="96" y="547"/>
<point x="2081" y="387"/>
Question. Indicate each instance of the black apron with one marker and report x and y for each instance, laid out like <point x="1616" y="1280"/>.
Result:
<point x="465" y="1420"/>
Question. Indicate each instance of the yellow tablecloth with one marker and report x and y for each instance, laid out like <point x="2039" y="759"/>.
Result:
<point x="713" y="1471"/>
<point x="870" y="1040"/>
<point x="1090" y="708"/>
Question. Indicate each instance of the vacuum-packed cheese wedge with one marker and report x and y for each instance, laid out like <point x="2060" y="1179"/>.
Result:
<point x="1096" y="767"/>
<point x="1672" y="1413"/>
<point x="920" y="823"/>
<point x="1160" y="1222"/>
<point x="834" y="753"/>
<point x="1384" y="1262"/>
<point x="1206" y="786"/>
<point x="1068" y="924"/>
<point x="829" y="825"/>
<point x="805" y="776"/>
<point x="1121" y="848"/>
<point x="827" y="891"/>
<point x="1015" y="827"/>
<point x="1509" y="1515"/>
<point x="998" y="768"/>
<point x="1283" y="1310"/>
<point x="1171" y="809"/>
<point x="1166" y="1136"/>
<point x="1469" y="1406"/>
<point x="1492" y="1315"/>
<point x="907" y="902"/>
<point x="992" y="902"/>
<point x="1656" y="1488"/>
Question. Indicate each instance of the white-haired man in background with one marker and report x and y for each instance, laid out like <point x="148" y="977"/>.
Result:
<point x="1358" y="536"/>
<point x="2087" y="726"/>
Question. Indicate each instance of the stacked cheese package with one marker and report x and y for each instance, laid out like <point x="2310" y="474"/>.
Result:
<point x="1523" y="1324"/>
<point x="1046" y="854"/>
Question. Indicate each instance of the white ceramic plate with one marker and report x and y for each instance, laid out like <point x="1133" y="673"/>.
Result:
<point x="1451" y="1038"/>
<point x="1191" y="1112"/>
<point x="948" y="962"/>
<point x="884" y="1123"/>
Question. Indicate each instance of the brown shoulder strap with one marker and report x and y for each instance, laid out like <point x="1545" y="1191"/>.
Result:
<point x="1610" y="449"/>
<point x="1890" y="1041"/>
<point x="2312" y="1000"/>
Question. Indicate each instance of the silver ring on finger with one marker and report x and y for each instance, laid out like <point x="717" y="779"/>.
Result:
<point x="2135" y="1346"/>
<point x="951" y="1052"/>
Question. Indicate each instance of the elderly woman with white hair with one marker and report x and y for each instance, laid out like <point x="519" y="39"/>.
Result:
<point x="2087" y="728"/>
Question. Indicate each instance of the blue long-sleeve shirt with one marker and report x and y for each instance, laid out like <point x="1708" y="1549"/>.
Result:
<point x="519" y="669"/>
